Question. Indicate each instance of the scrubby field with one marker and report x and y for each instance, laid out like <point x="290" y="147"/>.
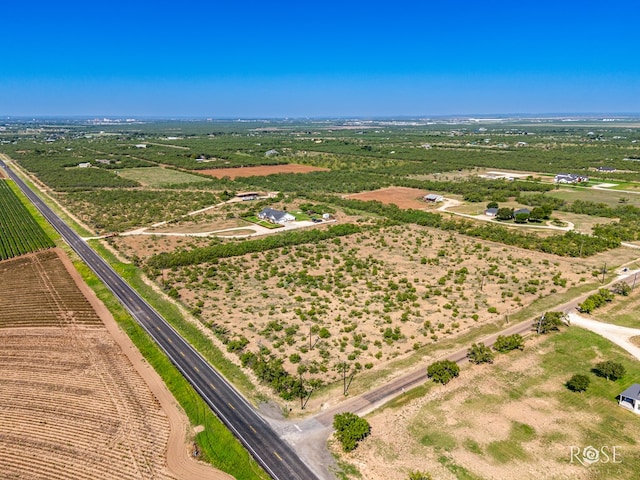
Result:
<point x="514" y="419"/>
<point x="155" y="177"/>
<point x="366" y="298"/>
<point x="261" y="170"/>
<point x="73" y="405"/>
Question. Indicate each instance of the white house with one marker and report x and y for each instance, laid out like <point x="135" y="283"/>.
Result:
<point x="570" y="178"/>
<point x="630" y="398"/>
<point x="84" y="165"/>
<point x="275" y="216"/>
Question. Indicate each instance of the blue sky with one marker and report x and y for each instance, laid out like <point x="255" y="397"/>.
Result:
<point x="298" y="59"/>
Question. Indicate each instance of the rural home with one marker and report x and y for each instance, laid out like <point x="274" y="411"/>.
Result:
<point x="570" y="178"/>
<point x="630" y="398"/>
<point x="84" y="165"/>
<point x="275" y="216"/>
<point x="524" y="211"/>
<point x="432" y="197"/>
<point x="491" y="212"/>
<point x="606" y="169"/>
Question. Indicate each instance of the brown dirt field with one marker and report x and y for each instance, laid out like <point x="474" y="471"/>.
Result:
<point x="403" y="197"/>
<point x="635" y="341"/>
<point x="79" y="401"/>
<point x="261" y="170"/>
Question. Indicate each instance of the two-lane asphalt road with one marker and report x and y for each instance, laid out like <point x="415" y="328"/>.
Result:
<point x="272" y="453"/>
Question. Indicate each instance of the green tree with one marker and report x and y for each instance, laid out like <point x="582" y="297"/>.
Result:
<point x="610" y="370"/>
<point x="443" y="371"/>
<point x="522" y="217"/>
<point x="492" y="205"/>
<point x="350" y="429"/>
<point x="578" y="383"/>
<point x="504" y="213"/>
<point x="551" y="321"/>
<point x="480" y="353"/>
<point x="621" y="288"/>
<point x="507" y="343"/>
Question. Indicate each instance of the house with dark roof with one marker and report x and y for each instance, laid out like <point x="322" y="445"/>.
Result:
<point x="275" y="216"/>
<point x="630" y="398"/>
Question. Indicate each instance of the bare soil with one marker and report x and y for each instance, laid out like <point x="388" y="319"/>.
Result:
<point x="78" y="400"/>
<point x="403" y="197"/>
<point x="261" y="170"/>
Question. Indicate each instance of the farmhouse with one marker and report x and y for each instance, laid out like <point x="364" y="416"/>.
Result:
<point x="432" y="197"/>
<point x="491" y="212"/>
<point x="84" y="165"/>
<point x="570" y="178"/>
<point x="630" y="398"/>
<point x="275" y="216"/>
<point x="606" y="169"/>
<point x="524" y="211"/>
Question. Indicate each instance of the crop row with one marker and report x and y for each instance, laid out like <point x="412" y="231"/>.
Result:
<point x="19" y="232"/>
<point x="37" y="291"/>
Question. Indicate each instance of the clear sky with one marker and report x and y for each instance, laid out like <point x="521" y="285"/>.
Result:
<point x="331" y="58"/>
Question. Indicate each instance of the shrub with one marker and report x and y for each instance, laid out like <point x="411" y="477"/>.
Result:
<point x="578" y="383"/>
<point x="511" y="342"/>
<point x="610" y="370"/>
<point x="419" y="476"/>
<point x="350" y="429"/>
<point x="443" y="371"/>
<point x="480" y="353"/>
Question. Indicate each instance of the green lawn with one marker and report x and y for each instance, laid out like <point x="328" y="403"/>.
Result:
<point x="159" y="177"/>
<point x="561" y="419"/>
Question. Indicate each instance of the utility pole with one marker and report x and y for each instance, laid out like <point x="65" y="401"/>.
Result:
<point x="344" y="378"/>
<point x="604" y="271"/>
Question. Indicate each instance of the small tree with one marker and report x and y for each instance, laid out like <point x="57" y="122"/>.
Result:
<point x="480" y="353"/>
<point x="443" y="371"/>
<point x="610" y="370"/>
<point x="621" y="288"/>
<point x="350" y="429"/>
<point x="510" y="342"/>
<point x="419" y="476"/>
<point x="551" y="321"/>
<point x="578" y="383"/>
<point x="492" y="205"/>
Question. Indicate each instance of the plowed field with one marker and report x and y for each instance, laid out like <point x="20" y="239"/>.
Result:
<point x="72" y="404"/>
<point x="261" y="170"/>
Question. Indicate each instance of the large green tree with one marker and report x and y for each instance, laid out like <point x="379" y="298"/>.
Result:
<point x="443" y="371"/>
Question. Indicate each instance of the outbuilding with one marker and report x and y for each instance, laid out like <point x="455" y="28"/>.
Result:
<point x="630" y="398"/>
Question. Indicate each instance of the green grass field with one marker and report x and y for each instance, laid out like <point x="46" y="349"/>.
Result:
<point x="558" y="418"/>
<point x="156" y="177"/>
<point x="609" y="197"/>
